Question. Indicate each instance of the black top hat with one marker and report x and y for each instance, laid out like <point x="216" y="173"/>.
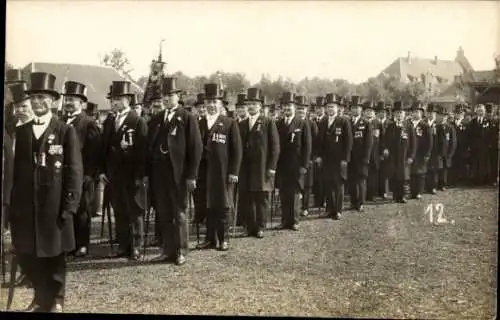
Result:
<point x="442" y="110"/>
<point x="397" y="106"/>
<point x="380" y="106"/>
<point x="13" y="76"/>
<point x="121" y="88"/>
<point x="459" y="108"/>
<point x="134" y="100"/>
<point x="488" y="107"/>
<point x="287" y="97"/>
<point x="368" y="105"/>
<point x="200" y="99"/>
<point x="18" y="92"/>
<point x="91" y="107"/>
<point x="431" y="107"/>
<point x="42" y="82"/>
<point x="264" y="102"/>
<point x="212" y="91"/>
<point x="170" y="86"/>
<point x="320" y="101"/>
<point x="254" y="94"/>
<point x="417" y="105"/>
<point x="301" y="101"/>
<point x="241" y="99"/>
<point x="332" y="98"/>
<point x="73" y="88"/>
<point x="355" y="101"/>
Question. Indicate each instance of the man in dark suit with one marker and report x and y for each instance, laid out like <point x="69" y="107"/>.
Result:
<point x="399" y="147"/>
<point x="360" y="157"/>
<point x="261" y="149"/>
<point x="479" y="132"/>
<point x="382" y="111"/>
<point x="318" y="188"/>
<point x="448" y="143"/>
<point x="123" y="166"/>
<point x="222" y="156"/>
<point x="241" y="113"/>
<point x="333" y="154"/>
<point x="460" y="168"/>
<point x="175" y="149"/>
<point x="492" y="144"/>
<point x="7" y="181"/>
<point x="374" y="168"/>
<point x="294" y="157"/>
<point x="75" y="95"/>
<point x="433" y="165"/>
<point x="423" y="139"/>
<point x="48" y="171"/>
<point x="302" y="112"/>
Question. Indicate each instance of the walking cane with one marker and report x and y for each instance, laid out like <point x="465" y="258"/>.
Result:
<point x="235" y="209"/>
<point x="147" y="214"/>
<point x="12" y="281"/>
<point x="194" y="219"/>
<point x="273" y="199"/>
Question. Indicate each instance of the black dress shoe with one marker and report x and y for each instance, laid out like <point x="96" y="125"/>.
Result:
<point x="402" y="200"/>
<point x="385" y="196"/>
<point x="82" y="252"/>
<point x="335" y="216"/>
<point x="32" y="307"/>
<point x="135" y="255"/>
<point x="442" y="189"/>
<point x="180" y="260"/>
<point x="360" y="208"/>
<point x="260" y="234"/>
<point x="223" y="247"/>
<point x="433" y="191"/>
<point x="57" y="308"/>
<point x="295" y="227"/>
<point x="206" y="245"/>
<point x="22" y="281"/>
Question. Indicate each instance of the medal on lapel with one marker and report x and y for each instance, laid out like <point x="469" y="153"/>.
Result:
<point x="50" y="138"/>
<point x="130" y="134"/>
<point x="57" y="164"/>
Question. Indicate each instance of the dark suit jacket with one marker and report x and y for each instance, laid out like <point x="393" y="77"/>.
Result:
<point x="124" y="164"/>
<point x="45" y="198"/>
<point x="295" y="153"/>
<point x="224" y="152"/>
<point x="184" y="143"/>
<point x="89" y="136"/>
<point x="261" y="149"/>
<point x="334" y="146"/>
<point x="424" y="141"/>
<point x="361" y="147"/>
<point x="461" y="129"/>
<point x="448" y="144"/>
<point x="401" y="144"/>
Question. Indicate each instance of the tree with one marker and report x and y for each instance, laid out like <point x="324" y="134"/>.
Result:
<point x="117" y="60"/>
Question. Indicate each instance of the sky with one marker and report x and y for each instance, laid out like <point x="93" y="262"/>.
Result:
<point x="351" y="40"/>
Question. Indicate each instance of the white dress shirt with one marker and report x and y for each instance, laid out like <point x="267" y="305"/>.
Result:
<point x="169" y="114"/>
<point x="39" y="129"/>
<point x="288" y="120"/>
<point x="330" y="121"/>
<point x="120" y="117"/>
<point x="252" y="120"/>
<point x="211" y="120"/>
<point x="73" y="116"/>
<point x="415" y="123"/>
<point x="356" y="119"/>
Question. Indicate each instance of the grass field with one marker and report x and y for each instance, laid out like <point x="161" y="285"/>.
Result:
<point x="389" y="261"/>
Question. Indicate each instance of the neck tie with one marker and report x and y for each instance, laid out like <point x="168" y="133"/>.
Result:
<point x="38" y="122"/>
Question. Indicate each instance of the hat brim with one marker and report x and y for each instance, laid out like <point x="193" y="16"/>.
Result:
<point x="14" y="81"/>
<point x="172" y="92"/>
<point x="254" y="100"/>
<point x="81" y="96"/>
<point x="54" y="94"/>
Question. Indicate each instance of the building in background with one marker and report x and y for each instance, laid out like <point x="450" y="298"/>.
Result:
<point x="96" y="78"/>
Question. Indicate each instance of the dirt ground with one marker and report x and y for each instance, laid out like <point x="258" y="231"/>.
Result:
<point x="389" y="261"/>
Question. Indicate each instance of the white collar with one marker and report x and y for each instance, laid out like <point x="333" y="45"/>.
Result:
<point x="212" y="117"/>
<point x="289" y="119"/>
<point x="20" y="123"/>
<point x="254" y="117"/>
<point x="45" y="118"/>
<point x="123" y="113"/>
<point x="74" y="114"/>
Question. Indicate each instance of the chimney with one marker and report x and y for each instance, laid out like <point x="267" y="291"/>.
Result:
<point x="460" y="52"/>
<point x="409" y="57"/>
<point x="435" y="59"/>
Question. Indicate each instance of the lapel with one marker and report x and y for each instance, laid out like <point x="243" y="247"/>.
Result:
<point x="125" y="123"/>
<point x="244" y="124"/>
<point x="23" y="137"/>
<point x="256" y="124"/>
<point x="48" y="132"/>
<point x="172" y="124"/>
<point x="159" y="121"/>
<point x="293" y="125"/>
<point x="77" y="120"/>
